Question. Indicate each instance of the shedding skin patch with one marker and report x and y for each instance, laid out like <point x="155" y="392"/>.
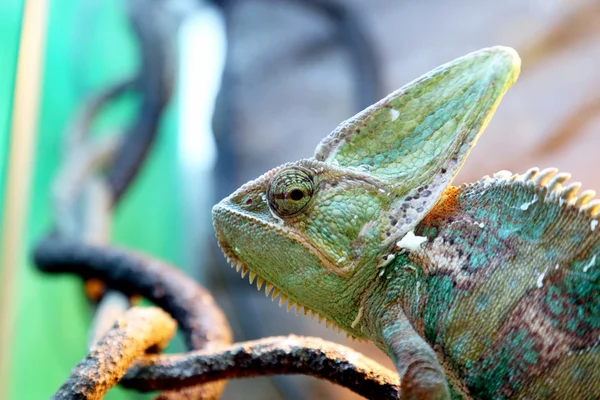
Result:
<point x="411" y="242"/>
<point x="358" y="317"/>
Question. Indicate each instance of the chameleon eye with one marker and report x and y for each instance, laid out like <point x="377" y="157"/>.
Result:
<point x="290" y="191"/>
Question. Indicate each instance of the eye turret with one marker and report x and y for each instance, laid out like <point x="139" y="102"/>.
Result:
<point x="290" y="191"/>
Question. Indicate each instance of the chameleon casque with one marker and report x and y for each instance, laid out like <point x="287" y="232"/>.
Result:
<point x="489" y="290"/>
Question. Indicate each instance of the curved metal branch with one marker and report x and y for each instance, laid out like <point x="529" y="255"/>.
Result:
<point x="80" y="126"/>
<point x="137" y="331"/>
<point x="112" y="307"/>
<point x="275" y="355"/>
<point x="72" y="180"/>
<point x="202" y="321"/>
<point x="154" y="83"/>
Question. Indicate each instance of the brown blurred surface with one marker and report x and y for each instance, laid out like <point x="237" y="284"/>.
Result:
<point x="293" y="86"/>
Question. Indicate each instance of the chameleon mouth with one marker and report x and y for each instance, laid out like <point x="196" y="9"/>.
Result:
<point x="274" y="291"/>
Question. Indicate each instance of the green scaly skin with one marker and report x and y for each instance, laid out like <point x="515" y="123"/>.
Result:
<point x="489" y="290"/>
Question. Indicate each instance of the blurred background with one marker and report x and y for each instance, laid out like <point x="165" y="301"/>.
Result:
<point x="246" y="86"/>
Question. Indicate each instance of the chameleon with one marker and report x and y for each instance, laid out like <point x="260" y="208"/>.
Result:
<point x="488" y="290"/>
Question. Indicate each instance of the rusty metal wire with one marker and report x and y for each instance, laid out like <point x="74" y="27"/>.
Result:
<point x="138" y="330"/>
<point x="273" y="355"/>
<point x="203" y="324"/>
<point x="84" y="198"/>
<point x="155" y="82"/>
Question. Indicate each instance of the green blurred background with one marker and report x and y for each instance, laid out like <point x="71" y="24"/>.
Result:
<point x="52" y="315"/>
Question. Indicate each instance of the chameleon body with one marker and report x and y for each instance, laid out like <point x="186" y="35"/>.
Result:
<point x="489" y="290"/>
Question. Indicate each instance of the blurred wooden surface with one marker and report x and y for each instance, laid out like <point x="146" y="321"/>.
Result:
<point x="293" y="86"/>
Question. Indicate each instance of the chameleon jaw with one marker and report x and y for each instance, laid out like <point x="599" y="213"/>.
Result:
<point x="274" y="291"/>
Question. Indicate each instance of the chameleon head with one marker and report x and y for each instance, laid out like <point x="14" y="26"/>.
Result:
<point x="318" y="229"/>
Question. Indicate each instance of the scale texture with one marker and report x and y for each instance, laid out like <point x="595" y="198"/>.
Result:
<point x="488" y="290"/>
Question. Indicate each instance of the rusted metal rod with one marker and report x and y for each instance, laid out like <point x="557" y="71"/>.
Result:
<point x="270" y="356"/>
<point x="135" y="332"/>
